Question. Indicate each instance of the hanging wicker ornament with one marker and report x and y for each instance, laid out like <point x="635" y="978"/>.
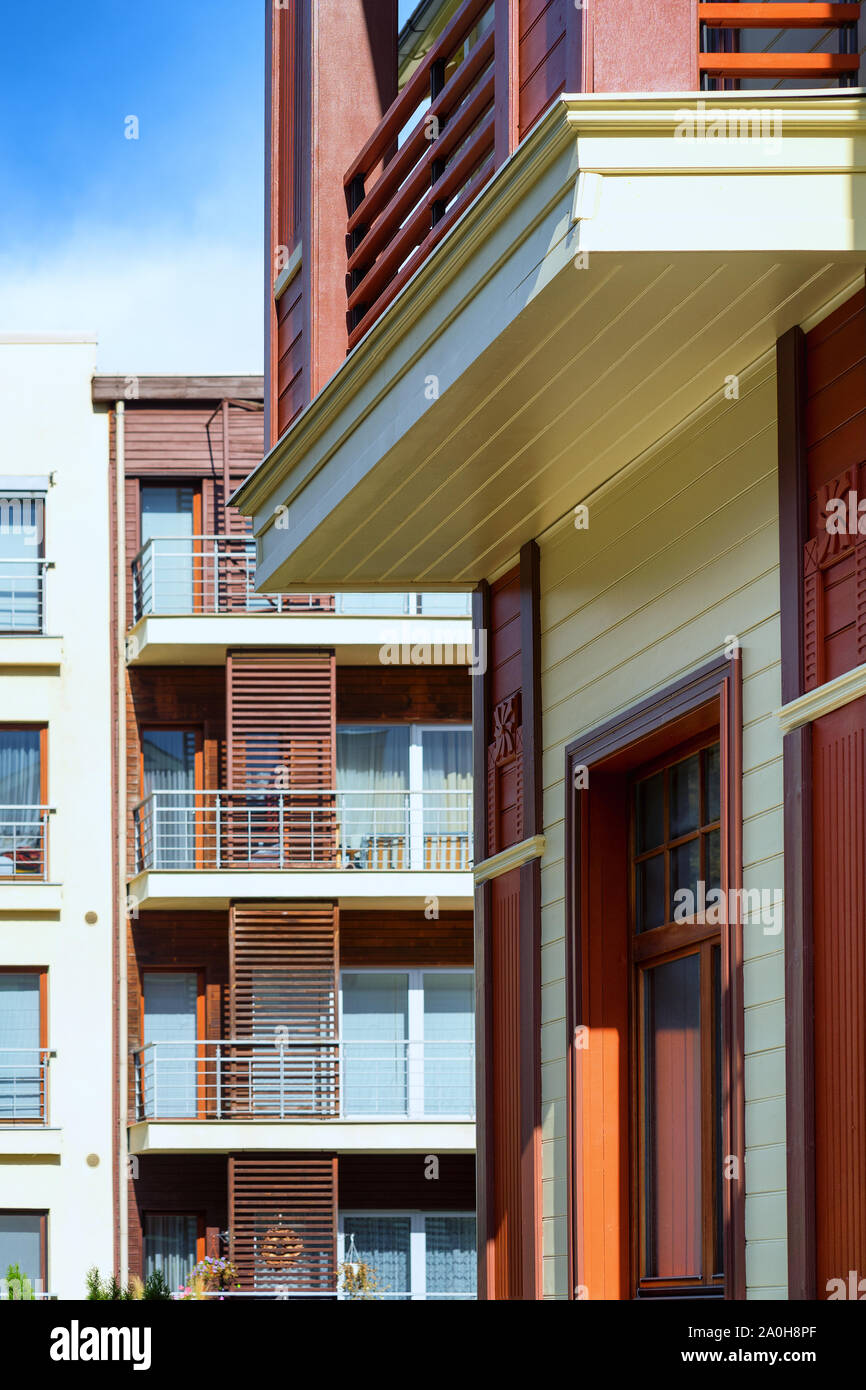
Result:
<point x="281" y="1248"/>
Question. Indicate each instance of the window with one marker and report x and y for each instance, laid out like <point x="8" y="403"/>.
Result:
<point x="173" y="1244"/>
<point x="173" y="1021"/>
<point x="675" y="951"/>
<point x="655" y="995"/>
<point x="23" y="1243"/>
<point x="170" y="774"/>
<point x="405" y="795"/>
<point x="23" y="1046"/>
<point x="413" y="1255"/>
<point x="408" y="1043"/>
<point x="170" y="579"/>
<point x="22" y="563"/>
<point x="23" y="813"/>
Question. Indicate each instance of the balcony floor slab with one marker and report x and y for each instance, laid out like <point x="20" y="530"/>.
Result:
<point x="218" y="888"/>
<point x="308" y="1136"/>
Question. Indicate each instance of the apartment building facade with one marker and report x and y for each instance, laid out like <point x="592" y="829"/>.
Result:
<point x="56" y="848"/>
<point x="295" y="993"/>
<point x="577" y="310"/>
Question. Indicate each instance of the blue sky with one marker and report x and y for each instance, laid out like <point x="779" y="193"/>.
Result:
<point x="154" y="243"/>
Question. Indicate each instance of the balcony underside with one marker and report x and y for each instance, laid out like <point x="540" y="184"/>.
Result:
<point x="693" y="256"/>
<point x="203" y="639"/>
<point x="218" y="888"/>
<point x="307" y="1136"/>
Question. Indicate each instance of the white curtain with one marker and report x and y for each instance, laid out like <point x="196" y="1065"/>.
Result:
<point x="373" y="779"/>
<point x="375" y="1036"/>
<point x="169" y="765"/>
<point x="449" y="1031"/>
<point x="450" y="1255"/>
<point x="170" y="1003"/>
<point x="20" y="1089"/>
<point x="170" y="1246"/>
<point x="447" y="755"/>
<point x="384" y="1242"/>
<point x="19" y="787"/>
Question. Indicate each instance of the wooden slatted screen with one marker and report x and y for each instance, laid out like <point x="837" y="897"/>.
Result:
<point x="281" y="713"/>
<point x="271" y="1195"/>
<point x="283" y="972"/>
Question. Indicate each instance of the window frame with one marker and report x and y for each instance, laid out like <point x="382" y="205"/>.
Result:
<point x="417" y="1218"/>
<point x="601" y="1215"/>
<point x="41" y="1285"/>
<point x="42" y="971"/>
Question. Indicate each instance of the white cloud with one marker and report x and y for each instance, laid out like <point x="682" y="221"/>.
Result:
<point x="188" y="305"/>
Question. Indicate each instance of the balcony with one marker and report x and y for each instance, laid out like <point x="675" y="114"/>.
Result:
<point x="770" y="43"/>
<point x="22" y="596"/>
<point x="24" y="843"/>
<point x="216" y="845"/>
<point x="194" y="598"/>
<point x="24" y="1085"/>
<point x="306" y="1079"/>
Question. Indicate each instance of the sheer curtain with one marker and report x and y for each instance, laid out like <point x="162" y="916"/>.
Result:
<point x="373" y="779"/>
<point x="168" y="757"/>
<point x="170" y="1246"/>
<point x="449" y="1031"/>
<point x="383" y="1242"/>
<point x="20" y="1090"/>
<point x="451" y="1259"/>
<point x="170" y="1005"/>
<point x="20" y="764"/>
<point x="375" y="1033"/>
<point x="447" y="755"/>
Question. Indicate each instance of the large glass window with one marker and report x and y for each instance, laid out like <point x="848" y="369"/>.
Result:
<point x="22" y="1245"/>
<point x="168" y="521"/>
<point x="22" y="820"/>
<point x="22" y="550"/>
<point x="22" y="1086"/>
<point x="169" y="1036"/>
<point x="168" y="758"/>
<point x="676" y="867"/>
<point x="405" y="795"/>
<point x="170" y="1246"/>
<point x="413" y="1254"/>
<point x="408" y="1043"/>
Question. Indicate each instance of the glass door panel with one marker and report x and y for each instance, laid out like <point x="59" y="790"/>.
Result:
<point x="21" y="837"/>
<point x="170" y="1021"/>
<point x="22" y="546"/>
<point x="373" y="782"/>
<point x="168" y="577"/>
<point x="374" y="1046"/>
<point x="21" y="1091"/>
<point x="449" y="1030"/>
<point x="451" y="1261"/>
<point x="170" y="1246"/>
<point x="447" y="795"/>
<point x="168" y="766"/>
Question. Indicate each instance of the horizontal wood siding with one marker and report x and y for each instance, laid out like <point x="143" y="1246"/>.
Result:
<point x="272" y="1194"/>
<point x="679" y="555"/>
<point x="194" y="1184"/>
<point x="379" y="694"/>
<point x="399" y="1182"/>
<point x="185" y="440"/>
<point x="541" y="57"/>
<point x="404" y="940"/>
<point x="280" y="712"/>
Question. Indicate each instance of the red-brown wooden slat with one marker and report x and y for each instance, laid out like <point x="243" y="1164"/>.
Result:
<point x="297" y="1192"/>
<point x="778" y="64"/>
<point x="414" y="229"/>
<point x="414" y="187"/>
<point x="778" y="16"/>
<point x="416" y="89"/>
<point x="434" y="237"/>
<point x="417" y="142"/>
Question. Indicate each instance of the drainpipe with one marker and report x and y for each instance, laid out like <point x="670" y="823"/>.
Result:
<point x="122" y="1025"/>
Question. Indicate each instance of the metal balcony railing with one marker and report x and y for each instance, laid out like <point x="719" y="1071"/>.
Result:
<point x="179" y="576"/>
<point x="777" y="42"/>
<point x="24" y="1085"/>
<point x="304" y="1078"/>
<point x="24" y="842"/>
<point x="315" y="829"/>
<point x="22" y="595"/>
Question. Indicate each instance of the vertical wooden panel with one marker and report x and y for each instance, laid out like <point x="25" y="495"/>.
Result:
<point x="839" y="792"/>
<point x="542" y="57"/>
<point x="504" y="1123"/>
<point x="280" y="711"/>
<point x="283" y="969"/>
<point x="275" y="1193"/>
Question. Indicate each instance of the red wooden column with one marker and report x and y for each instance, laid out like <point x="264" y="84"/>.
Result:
<point x="332" y="74"/>
<point x="507" y="930"/>
<point x="633" y="47"/>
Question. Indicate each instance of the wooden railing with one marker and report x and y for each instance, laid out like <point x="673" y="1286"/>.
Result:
<point x="403" y="197"/>
<point x="721" y="60"/>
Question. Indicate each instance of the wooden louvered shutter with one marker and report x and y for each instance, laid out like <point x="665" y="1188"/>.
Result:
<point x="281" y="712"/>
<point x="283" y="972"/>
<point x="283" y="1220"/>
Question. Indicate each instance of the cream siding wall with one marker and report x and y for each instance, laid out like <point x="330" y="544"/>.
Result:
<point x="680" y="552"/>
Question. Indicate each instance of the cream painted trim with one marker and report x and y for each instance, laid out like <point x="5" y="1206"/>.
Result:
<point x="510" y="858"/>
<point x="843" y="690"/>
<point x="288" y="273"/>
<point x="263" y="1136"/>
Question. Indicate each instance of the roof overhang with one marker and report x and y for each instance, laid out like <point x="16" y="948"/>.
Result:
<point x="634" y="254"/>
